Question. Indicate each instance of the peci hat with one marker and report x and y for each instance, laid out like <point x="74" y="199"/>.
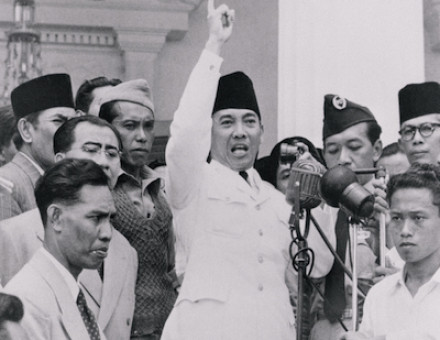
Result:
<point x="236" y="91"/>
<point x="417" y="100"/>
<point x="136" y="91"/>
<point x="42" y="93"/>
<point x="340" y="114"/>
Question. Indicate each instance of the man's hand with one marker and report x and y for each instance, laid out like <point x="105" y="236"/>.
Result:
<point x="220" y="21"/>
<point x="381" y="272"/>
<point x="380" y="202"/>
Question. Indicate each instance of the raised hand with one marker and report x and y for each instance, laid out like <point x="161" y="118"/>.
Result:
<point x="221" y="22"/>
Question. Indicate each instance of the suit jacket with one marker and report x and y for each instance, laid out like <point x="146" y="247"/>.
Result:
<point x="17" y="184"/>
<point x="112" y="301"/>
<point x="51" y="312"/>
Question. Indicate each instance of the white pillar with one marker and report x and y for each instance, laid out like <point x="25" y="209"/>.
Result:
<point x="363" y="50"/>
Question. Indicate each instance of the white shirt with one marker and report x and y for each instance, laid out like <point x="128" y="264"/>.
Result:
<point x="391" y="310"/>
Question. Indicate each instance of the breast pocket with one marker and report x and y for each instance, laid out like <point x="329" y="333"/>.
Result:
<point x="226" y="217"/>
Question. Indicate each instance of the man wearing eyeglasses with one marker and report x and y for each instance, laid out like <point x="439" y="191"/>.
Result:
<point x="110" y="290"/>
<point x="419" y="106"/>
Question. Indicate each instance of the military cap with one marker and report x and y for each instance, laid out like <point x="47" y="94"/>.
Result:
<point x="42" y="93"/>
<point x="236" y="91"/>
<point x="417" y="100"/>
<point x="340" y="114"/>
<point x="135" y="91"/>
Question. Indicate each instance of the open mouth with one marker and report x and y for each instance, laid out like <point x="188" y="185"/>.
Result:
<point x="239" y="149"/>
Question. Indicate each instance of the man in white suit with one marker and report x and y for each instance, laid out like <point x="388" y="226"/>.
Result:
<point x="112" y="297"/>
<point x="75" y="204"/>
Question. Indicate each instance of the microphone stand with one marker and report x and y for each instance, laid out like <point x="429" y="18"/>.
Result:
<point x="301" y="259"/>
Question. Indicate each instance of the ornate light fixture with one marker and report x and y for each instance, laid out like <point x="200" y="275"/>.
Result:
<point x="23" y="58"/>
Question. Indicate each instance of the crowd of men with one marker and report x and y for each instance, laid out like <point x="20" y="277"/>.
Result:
<point x="95" y="246"/>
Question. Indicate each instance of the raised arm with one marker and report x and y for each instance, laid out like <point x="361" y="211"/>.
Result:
<point x="190" y="140"/>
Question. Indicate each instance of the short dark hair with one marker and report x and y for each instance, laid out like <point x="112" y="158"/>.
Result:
<point x="8" y="125"/>
<point x="63" y="182"/>
<point x="65" y="136"/>
<point x="373" y="131"/>
<point x="11" y="308"/>
<point x="84" y="97"/>
<point x="109" y="111"/>
<point x="391" y="149"/>
<point x="418" y="176"/>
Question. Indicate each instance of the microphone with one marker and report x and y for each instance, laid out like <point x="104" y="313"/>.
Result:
<point x="340" y="187"/>
<point x="308" y="174"/>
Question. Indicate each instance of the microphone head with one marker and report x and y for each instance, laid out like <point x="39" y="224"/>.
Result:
<point x="357" y="200"/>
<point x="333" y="183"/>
<point x="308" y="174"/>
<point x="340" y="188"/>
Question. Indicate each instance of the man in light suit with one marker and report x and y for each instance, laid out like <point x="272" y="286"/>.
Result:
<point x="75" y="204"/>
<point x="40" y="105"/>
<point x="111" y="299"/>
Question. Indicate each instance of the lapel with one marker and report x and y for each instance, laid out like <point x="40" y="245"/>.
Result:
<point x="115" y="268"/>
<point x="92" y="285"/>
<point x="70" y="316"/>
<point x="34" y="218"/>
<point x="28" y="168"/>
<point x="106" y="294"/>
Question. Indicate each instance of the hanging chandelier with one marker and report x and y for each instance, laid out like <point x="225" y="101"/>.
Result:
<point x="23" y="58"/>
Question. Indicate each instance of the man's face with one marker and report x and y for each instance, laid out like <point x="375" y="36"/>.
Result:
<point x="236" y="138"/>
<point x="96" y="95"/>
<point x="83" y="228"/>
<point x="394" y="164"/>
<point x="422" y="149"/>
<point x="135" y="123"/>
<point x="99" y="144"/>
<point x="42" y="133"/>
<point x="415" y="225"/>
<point x="283" y="174"/>
<point x="352" y="148"/>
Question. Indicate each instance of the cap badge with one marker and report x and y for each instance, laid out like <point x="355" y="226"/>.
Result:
<point x="339" y="102"/>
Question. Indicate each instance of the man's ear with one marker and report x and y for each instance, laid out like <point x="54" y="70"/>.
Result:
<point x="2" y="156"/>
<point x="54" y="212"/>
<point x="377" y="150"/>
<point x="59" y="156"/>
<point x="24" y="128"/>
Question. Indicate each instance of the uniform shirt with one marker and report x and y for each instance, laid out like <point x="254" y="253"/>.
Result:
<point x="232" y="238"/>
<point x="391" y="310"/>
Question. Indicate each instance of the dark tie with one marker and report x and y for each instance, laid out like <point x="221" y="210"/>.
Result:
<point x="245" y="176"/>
<point x="334" y="282"/>
<point x="88" y="317"/>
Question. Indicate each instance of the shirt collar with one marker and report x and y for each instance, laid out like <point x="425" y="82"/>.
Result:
<point x="39" y="168"/>
<point x="253" y="177"/>
<point x="400" y="278"/>
<point x="148" y="176"/>
<point x="72" y="284"/>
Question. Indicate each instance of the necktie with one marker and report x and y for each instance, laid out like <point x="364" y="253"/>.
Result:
<point x="245" y="176"/>
<point x="88" y="317"/>
<point x="334" y="282"/>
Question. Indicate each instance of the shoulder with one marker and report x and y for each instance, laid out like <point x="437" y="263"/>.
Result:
<point x="384" y="287"/>
<point x="120" y="243"/>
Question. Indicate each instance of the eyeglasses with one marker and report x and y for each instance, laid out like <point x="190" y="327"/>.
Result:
<point x="94" y="150"/>
<point x="425" y="130"/>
